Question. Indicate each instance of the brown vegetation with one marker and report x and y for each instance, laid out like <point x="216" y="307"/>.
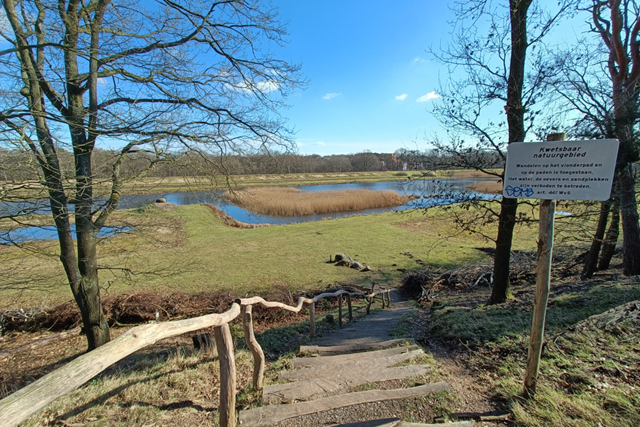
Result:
<point x="228" y="220"/>
<point x="286" y="201"/>
<point x="490" y="187"/>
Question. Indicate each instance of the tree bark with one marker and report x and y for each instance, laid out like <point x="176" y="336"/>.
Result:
<point x="620" y="32"/>
<point x="81" y="269"/>
<point x="630" y="230"/>
<point x="501" y="290"/>
<point x="611" y="239"/>
<point x="591" y="262"/>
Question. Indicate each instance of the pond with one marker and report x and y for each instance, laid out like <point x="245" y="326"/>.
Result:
<point x="48" y="232"/>
<point x="436" y="193"/>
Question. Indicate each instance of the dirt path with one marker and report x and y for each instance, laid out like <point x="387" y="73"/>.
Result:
<point x="373" y="328"/>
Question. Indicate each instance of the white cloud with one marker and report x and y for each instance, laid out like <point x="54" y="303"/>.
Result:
<point x="429" y="96"/>
<point x="102" y="81"/>
<point x="320" y="143"/>
<point x="331" y="95"/>
<point x="418" y="59"/>
<point x="402" y="97"/>
<point x="264" y="86"/>
<point x="268" y="86"/>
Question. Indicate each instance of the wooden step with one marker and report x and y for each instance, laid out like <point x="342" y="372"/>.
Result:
<point x="307" y="362"/>
<point x="339" y="349"/>
<point x="345" y="369"/>
<point x="385" y="422"/>
<point x="396" y="422"/>
<point x="455" y="424"/>
<point x="266" y="415"/>
<point x="315" y="388"/>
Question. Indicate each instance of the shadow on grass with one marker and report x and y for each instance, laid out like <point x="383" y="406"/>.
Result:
<point x="171" y="406"/>
<point x="100" y="400"/>
<point x="455" y="320"/>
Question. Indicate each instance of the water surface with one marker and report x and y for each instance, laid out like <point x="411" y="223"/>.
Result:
<point x="435" y="193"/>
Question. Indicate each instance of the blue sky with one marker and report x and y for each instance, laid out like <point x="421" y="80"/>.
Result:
<point x="371" y="80"/>
<point x="372" y="83"/>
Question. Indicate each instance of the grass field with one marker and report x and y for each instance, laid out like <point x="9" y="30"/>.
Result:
<point x="589" y="369"/>
<point x="189" y="249"/>
<point x="587" y="373"/>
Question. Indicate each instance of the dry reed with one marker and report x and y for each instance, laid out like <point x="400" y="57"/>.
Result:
<point x="287" y="201"/>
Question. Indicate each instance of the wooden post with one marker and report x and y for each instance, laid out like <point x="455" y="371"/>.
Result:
<point x="312" y="320"/>
<point x="227" y="407"/>
<point x="340" y="310"/>
<point x="370" y="301"/>
<point x="252" y="344"/>
<point x="543" y="277"/>
<point x="349" y="304"/>
<point x="383" y="298"/>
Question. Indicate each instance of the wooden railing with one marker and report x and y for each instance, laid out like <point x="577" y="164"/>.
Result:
<point x="25" y="402"/>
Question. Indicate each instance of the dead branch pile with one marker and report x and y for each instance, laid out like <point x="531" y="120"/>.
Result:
<point x="425" y="284"/>
<point x="416" y="284"/>
<point x="145" y="307"/>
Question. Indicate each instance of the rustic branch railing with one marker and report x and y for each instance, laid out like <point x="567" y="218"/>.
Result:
<point x="20" y="405"/>
<point x="25" y="402"/>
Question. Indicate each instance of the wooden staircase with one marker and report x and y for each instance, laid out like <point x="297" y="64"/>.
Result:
<point x="319" y="383"/>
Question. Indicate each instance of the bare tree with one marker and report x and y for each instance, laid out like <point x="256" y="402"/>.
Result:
<point x="154" y="79"/>
<point x="491" y="47"/>
<point x="581" y="83"/>
<point x="617" y="22"/>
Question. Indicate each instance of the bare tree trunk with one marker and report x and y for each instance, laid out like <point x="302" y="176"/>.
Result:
<point x="501" y="290"/>
<point x="622" y="25"/>
<point x="86" y="291"/>
<point x="611" y="239"/>
<point x="630" y="230"/>
<point x="591" y="262"/>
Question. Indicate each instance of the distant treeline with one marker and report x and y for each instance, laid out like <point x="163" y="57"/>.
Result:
<point x="20" y="166"/>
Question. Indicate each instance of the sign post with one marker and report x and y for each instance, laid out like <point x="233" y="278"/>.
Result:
<point x="543" y="279"/>
<point x="571" y="170"/>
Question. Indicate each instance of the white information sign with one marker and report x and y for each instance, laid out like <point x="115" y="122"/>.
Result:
<point x="564" y="170"/>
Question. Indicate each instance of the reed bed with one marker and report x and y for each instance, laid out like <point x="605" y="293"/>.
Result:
<point x="287" y="201"/>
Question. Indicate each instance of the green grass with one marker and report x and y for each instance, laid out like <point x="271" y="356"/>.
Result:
<point x="586" y="379"/>
<point x="189" y="249"/>
<point x="588" y="373"/>
<point x="492" y="323"/>
<point x="402" y="328"/>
